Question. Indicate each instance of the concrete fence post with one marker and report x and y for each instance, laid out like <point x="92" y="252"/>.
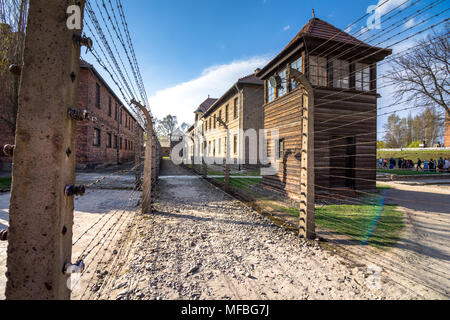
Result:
<point x="137" y="154"/>
<point x="148" y="161"/>
<point x="307" y="184"/>
<point x="41" y="209"/>
<point x="227" y="155"/>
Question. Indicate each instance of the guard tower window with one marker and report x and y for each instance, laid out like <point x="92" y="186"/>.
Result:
<point x="318" y="71"/>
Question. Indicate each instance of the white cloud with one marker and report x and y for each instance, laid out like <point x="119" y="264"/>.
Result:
<point x="390" y="5"/>
<point x="182" y="99"/>
<point x="410" y="23"/>
<point x="287" y="28"/>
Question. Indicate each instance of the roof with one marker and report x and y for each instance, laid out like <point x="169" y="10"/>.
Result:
<point x="251" y="79"/>
<point x="322" y="31"/>
<point x="206" y="105"/>
<point x="87" y="65"/>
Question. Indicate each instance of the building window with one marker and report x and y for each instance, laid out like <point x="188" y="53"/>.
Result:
<point x="235" y="112"/>
<point x="220" y="116"/>
<point x="318" y="71"/>
<point x="280" y="149"/>
<point x="270" y="92"/>
<point x="297" y="65"/>
<point x="235" y="144"/>
<point x="97" y="95"/>
<point x="362" y="77"/>
<point x="115" y="142"/>
<point x="226" y="113"/>
<point x="109" y="107"/>
<point x="215" y="121"/>
<point x="96" y="137"/>
<point x="219" y="147"/>
<point x="116" y="111"/>
<point x="341" y="74"/>
<point x="109" y="140"/>
<point x="282" y="90"/>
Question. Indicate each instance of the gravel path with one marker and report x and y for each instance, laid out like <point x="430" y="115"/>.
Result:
<point x="202" y="244"/>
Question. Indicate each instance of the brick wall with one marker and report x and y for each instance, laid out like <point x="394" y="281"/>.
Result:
<point x="88" y="152"/>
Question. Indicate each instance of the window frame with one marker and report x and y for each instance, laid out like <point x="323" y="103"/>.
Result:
<point x="97" y="137"/>
<point x="341" y="74"/>
<point x="97" y="96"/>
<point x="320" y="67"/>
<point x="108" y="140"/>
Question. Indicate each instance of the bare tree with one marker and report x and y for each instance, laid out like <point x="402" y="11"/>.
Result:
<point x="424" y="73"/>
<point x="185" y="126"/>
<point x="167" y="126"/>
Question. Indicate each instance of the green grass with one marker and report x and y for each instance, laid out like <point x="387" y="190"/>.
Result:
<point x="357" y="221"/>
<point x="414" y="155"/>
<point x="5" y="183"/>
<point x="242" y="183"/>
<point x="406" y="172"/>
<point x="382" y="187"/>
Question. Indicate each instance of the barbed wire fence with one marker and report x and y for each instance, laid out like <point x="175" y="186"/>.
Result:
<point x="108" y="41"/>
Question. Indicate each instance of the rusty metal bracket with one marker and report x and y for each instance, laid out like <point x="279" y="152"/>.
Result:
<point x="71" y="190"/>
<point x="4" y="235"/>
<point x="15" y="69"/>
<point x="70" y="268"/>
<point x="83" y="41"/>
<point x="8" y="150"/>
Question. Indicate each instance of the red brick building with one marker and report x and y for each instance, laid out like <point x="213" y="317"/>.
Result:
<point x="106" y="141"/>
<point x="447" y="132"/>
<point x="98" y="142"/>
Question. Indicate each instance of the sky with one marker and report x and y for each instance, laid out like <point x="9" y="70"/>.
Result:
<point x="189" y="49"/>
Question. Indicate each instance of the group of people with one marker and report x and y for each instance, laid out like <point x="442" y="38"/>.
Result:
<point x="431" y="165"/>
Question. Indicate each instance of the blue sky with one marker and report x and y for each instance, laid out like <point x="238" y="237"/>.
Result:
<point x="188" y="50"/>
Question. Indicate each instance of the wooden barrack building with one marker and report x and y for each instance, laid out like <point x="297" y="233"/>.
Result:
<point x="343" y="73"/>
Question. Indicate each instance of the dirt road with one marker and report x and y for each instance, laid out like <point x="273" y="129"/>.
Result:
<point x="424" y="246"/>
<point x="202" y="244"/>
<point x="100" y="219"/>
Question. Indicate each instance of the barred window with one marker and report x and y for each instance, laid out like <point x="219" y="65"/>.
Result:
<point x="362" y="77"/>
<point x="96" y="137"/>
<point x="282" y="90"/>
<point x="341" y="72"/>
<point x="109" y="140"/>
<point x="318" y="71"/>
<point x="297" y="65"/>
<point x="270" y="92"/>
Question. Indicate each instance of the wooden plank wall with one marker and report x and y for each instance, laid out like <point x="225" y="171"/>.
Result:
<point x="338" y="115"/>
